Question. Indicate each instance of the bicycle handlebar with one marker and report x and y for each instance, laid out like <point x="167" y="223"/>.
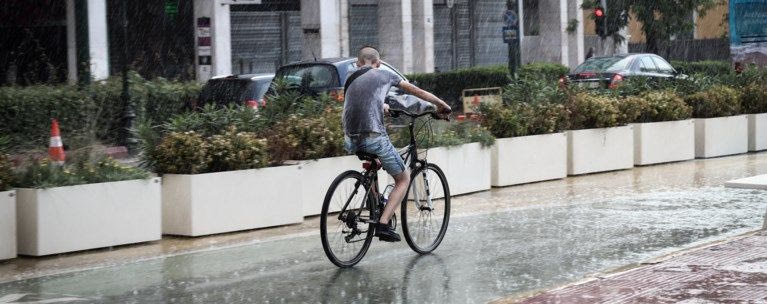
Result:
<point x="433" y="114"/>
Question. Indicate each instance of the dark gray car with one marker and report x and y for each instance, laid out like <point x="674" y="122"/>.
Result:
<point x="609" y="71"/>
<point x="322" y="75"/>
<point x="245" y="89"/>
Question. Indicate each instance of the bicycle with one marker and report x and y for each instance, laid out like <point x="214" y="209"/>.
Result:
<point x="426" y="205"/>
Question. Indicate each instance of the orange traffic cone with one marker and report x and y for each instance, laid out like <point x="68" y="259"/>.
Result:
<point x="56" y="148"/>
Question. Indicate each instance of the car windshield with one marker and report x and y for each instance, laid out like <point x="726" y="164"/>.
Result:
<point x="317" y="76"/>
<point x="257" y="89"/>
<point x="603" y="64"/>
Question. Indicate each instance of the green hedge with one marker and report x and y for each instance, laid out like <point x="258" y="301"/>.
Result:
<point x="707" y="67"/>
<point x="543" y="70"/>
<point x="89" y="113"/>
<point x="26" y="112"/>
<point x="450" y="85"/>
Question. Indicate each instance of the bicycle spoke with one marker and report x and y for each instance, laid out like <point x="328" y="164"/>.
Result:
<point x="426" y="213"/>
<point x="345" y="235"/>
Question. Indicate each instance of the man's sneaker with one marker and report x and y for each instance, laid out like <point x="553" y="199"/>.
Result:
<point x="386" y="234"/>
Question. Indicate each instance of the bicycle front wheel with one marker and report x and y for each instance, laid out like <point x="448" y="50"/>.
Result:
<point x="426" y="209"/>
<point x="346" y="232"/>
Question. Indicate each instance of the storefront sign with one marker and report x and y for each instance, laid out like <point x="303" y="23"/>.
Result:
<point x="748" y="31"/>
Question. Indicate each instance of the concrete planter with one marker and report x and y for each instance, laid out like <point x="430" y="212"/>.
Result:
<point x="721" y="136"/>
<point x="757" y="132"/>
<point x="467" y="167"/>
<point x="317" y="175"/>
<point x="210" y="203"/>
<point x="599" y="150"/>
<point x="7" y="225"/>
<point x="663" y="142"/>
<point x="73" y="218"/>
<point x="527" y="159"/>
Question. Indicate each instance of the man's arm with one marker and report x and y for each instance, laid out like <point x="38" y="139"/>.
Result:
<point x="418" y="92"/>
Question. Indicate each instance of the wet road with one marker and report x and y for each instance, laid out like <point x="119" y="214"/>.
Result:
<point x="500" y="242"/>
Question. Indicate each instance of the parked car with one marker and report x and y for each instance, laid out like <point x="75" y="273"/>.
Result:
<point x="322" y="75"/>
<point x="609" y="71"/>
<point x="245" y="89"/>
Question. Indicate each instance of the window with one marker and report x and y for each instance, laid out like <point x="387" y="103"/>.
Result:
<point x="531" y="17"/>
<point x="384" y="66"/>
<point x="663" y="66"/>
<point x="646" y="64"/>
<point x="603" y="64"/>
<point x="318" y="76"/>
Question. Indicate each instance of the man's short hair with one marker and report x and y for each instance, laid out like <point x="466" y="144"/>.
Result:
<point x="368" y="54"/>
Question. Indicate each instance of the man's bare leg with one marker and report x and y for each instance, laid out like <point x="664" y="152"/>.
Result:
<point x="401" y="182"/>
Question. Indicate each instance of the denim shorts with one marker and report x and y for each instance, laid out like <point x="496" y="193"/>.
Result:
<point x="380" y="145"/>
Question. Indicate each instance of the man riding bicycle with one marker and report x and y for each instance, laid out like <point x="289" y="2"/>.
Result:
<point x="364" y="130"/>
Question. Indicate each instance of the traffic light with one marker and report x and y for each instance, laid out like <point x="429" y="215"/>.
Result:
<point x="599" y="20"/>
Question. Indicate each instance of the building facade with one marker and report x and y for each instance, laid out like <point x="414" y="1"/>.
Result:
<point x="198" y="39"/>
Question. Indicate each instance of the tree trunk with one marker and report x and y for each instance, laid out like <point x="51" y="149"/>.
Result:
<point x="651" y="45"/>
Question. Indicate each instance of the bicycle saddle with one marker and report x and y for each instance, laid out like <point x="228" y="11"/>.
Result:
<point x="366" y="156"/>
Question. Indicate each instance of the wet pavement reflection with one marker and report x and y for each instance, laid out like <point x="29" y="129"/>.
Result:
<point x="585" y="227"/>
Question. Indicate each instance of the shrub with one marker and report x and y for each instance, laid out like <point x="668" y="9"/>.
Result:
<point x="706" y="67"/>
<point x="94" y="111"/>
<point x="44" y="174"/>
<point x="589" y="111"/>
<point x="6" y="173"/>
<point x="211" y="120"/>
<point x="234" y="150"/>
<point x="546" y="71"/>
<point x="190" y="153"/>
<point x="472" y="132"/>
<point x="450" y="85"/>
<point x="300" y="138"/>
<point x="718" y="101"/>
<point x="754" y="98"/>
<point x="26" y="112"/>
<point x="283" y="103"/>
<point x="438" y="133"/>
<point x="154" y="101"/>
<point x="522" y="119"/>
<point x="654" y="106"/>
<point x="531" y="90"/>
<point x="180" y="153"/>
<point x="297" y="127"/>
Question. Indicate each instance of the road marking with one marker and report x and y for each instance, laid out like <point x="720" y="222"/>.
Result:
<point x="14" y="297"/>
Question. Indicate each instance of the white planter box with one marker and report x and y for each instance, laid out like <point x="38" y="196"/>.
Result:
<point x="317" y="175"/>
<point x="72" y="218"/>
<point x="599" y="150"/>
<point x="7" y="225"/>
<point x="662" y="142"/>
<point x="527" y="159"/>
<point x="721" y="136"/>
<point x="203" y="204"/>
<point x="757" y="132"/>
<point x="467" y="167"/>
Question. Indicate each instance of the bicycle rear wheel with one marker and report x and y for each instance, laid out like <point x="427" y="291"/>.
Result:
<point x="345" y="234"/>
<point x="426" y="209"/>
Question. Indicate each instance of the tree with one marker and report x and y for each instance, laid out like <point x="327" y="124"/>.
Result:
<point x="660" y="19"/>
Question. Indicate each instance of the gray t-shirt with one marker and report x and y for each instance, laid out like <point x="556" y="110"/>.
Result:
<point x="363" y="102"/>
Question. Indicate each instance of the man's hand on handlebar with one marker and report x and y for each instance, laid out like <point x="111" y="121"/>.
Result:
<point x="443" y="112"/>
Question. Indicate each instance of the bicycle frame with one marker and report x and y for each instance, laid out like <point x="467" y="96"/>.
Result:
<point x="409" y="155"/>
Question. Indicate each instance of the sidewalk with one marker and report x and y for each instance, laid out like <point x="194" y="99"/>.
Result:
<point x="731" y="272"/>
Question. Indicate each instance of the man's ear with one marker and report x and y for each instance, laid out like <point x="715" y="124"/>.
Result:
<point x="377" y="64"/>
<point x="360" y="63"/>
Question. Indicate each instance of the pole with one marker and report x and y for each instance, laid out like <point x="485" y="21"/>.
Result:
<point x="129" y="113"/>
<point x="514" y="44"/>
